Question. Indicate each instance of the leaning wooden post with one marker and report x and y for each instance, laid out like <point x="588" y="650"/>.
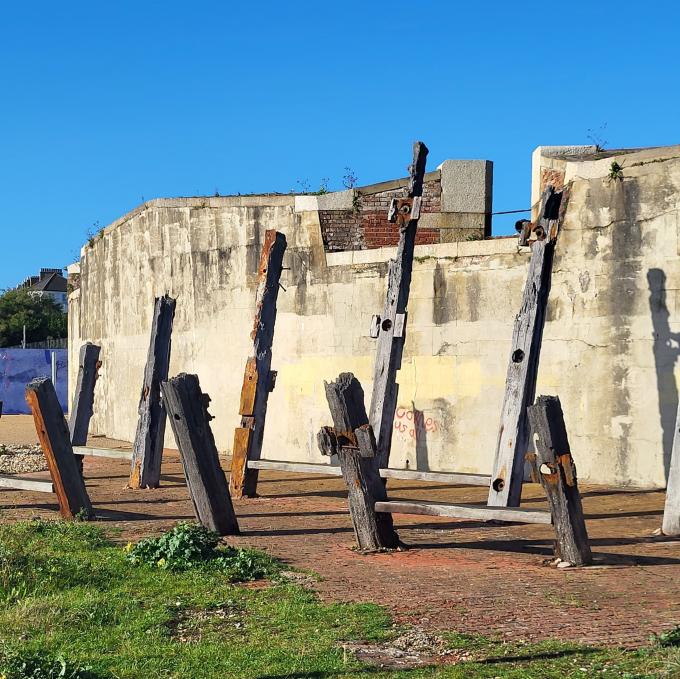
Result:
<point x="145" y="470"/>
<point x="557" y="473"/>
<point x="507" y="475"/>
<point x="56" y="444"/>
<point x="671" y="511"/>
<point x="259" y="378"/>
<point x="83" y="397"/>
<point x="351" y="439"/>
<point x="187" y="408"/>
<point x="390" y="328"/>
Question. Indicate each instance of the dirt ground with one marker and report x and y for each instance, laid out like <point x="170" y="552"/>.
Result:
<point x="457" y="575"/>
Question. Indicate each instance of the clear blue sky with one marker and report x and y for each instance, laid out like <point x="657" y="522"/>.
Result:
<point x="106" y="104"/>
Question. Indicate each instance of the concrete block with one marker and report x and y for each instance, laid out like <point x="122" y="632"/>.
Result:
<point x="467" y="185"/>
<point x="306" y="204"/>
<point x="336" y="200"/>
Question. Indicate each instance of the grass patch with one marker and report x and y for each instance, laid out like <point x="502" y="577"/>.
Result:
<point x="74" y="605"/>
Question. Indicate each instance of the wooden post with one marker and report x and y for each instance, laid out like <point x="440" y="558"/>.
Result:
<point x="83" y="397"/>
<point x="351" y="438"/>
<point x="391" y="326"/>
<point x="671" y="511"/>
<point x="557" y="473"/>
<point x="507" y="475"/>
<point x="259" y="378"/>
<point x="187" y="408"/>
<point x="56" y="444"/>
<point x="145" y="470"/>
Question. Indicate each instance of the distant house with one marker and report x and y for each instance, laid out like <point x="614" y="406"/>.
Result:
<point x="50" y="283"/>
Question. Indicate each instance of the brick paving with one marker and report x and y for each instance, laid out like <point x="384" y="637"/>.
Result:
<point x="457" y="575"/>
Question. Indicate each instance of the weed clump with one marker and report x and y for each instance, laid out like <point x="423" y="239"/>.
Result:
<point x="668" y="639"/>
<point x="190" y="545"/>
<point x="40" y="665"/>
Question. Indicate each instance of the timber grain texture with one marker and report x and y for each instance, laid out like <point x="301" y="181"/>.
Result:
<point x="351" y="439"/>
<point x="391" y="325"/>
<point x="258" y="379"/>
<point x="187" y="408"/>
<point x="557" y="473"/>
<point x="145" y="469"/>
<point x="55" y="441"/>
<point x="507" y="475"/>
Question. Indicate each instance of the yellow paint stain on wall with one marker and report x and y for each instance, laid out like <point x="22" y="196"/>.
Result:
<point x="306" y="377"/>
<point x="420" y="377"/>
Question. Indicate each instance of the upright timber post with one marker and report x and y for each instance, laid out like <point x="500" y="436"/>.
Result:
<point x="507" y="475"/>
<point x="259" y="378"/>
<point x="671" y="510"/>
<point x="187" y="408"/>
<point x="351" y="439"/>
<point x="83" y="397"/>
<point x="391" y="326"/>
<point x="557" y="474"/>
<point x="54" y="439"/>
<point x="147" y="453"/>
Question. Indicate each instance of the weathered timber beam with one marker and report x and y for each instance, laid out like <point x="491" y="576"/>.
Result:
<point x="453" y="478"/>
<point x="507" y="476"/>
<point x="83" y="397"/>
<point x="187" y="408"/>
<point x="478" y="512"/>
<point x="557" y="474"/>
<point x="145" y="469"/>
<point x="351" y="438"/>
<point x="21" y="483"/>
<point x="55" y="441"/>
<point x="391" y="325"/>
<point x="258" y="380"/>
<point x="103" y="452"/>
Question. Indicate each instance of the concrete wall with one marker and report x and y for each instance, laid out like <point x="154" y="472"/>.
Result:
<point x="610" y="346"/>
<point x="19" y="366"/>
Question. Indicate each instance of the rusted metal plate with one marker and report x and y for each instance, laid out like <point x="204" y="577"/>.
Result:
<point x="249" y="388"/>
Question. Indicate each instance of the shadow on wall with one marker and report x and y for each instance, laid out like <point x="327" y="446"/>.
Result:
<point x="666" y="352"/>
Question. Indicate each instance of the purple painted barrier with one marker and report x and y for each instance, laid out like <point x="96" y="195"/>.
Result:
<point x="19" y="366"/>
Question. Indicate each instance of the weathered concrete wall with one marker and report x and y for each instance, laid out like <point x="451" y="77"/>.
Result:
<point x="610" y="349"/>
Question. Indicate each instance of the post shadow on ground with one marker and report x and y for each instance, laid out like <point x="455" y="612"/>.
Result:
<point x="666" y="349"/>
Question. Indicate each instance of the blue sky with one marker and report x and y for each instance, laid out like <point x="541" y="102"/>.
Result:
<point x="107" y="104"/>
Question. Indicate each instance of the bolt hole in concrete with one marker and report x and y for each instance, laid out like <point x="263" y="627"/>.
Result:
<point x="176" y="416"/>
<point x="386" y="324"/>
<point x="517" y="356"/>
<point x="498" y="485"/>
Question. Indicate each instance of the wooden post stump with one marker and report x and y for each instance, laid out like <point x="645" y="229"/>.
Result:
<point x="557" y="474"/>
<point x="83" y="397"/>
<point x="352" y="439"/>
<point x="259" y="378"/>
<point x="187" y="408"/>
<point x="53" y="434"/>
<point x="145" y="470"/>
<point x="507" y="476"/>
<point x="391" y="327"/>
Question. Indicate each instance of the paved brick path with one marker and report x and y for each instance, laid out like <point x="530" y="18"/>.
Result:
<point x="457" y="575"/>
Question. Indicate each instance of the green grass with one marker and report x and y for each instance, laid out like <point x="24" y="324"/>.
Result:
<point x="74" y="605"/>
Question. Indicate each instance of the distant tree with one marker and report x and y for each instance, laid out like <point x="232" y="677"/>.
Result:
<point x="42" y="316"/>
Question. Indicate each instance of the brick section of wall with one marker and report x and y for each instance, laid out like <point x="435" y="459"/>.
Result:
<point x="550" y="176"/>
<point x="367" y="227"/>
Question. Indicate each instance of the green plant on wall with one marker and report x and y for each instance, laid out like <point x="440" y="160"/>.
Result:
<point x="616" y="171"/>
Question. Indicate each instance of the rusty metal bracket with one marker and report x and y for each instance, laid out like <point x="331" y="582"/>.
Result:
<point x="403" y="210"/>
